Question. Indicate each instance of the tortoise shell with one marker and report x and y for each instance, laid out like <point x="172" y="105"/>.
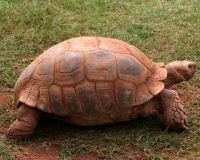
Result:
<point x="89" y="75"/>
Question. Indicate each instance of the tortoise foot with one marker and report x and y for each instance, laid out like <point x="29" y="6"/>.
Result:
<point x="24" y="125"/>
<point x="174" y="115"/>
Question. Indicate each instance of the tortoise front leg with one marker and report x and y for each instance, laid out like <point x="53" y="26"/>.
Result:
<point x="173" y="111"/>
<point x="27" y="120"/>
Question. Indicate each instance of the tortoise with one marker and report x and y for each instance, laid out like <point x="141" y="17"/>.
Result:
<point x="91" y="81"/>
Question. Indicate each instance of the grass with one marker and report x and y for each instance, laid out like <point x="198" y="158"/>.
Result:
<point x="5" y="149"/>
<point x="164" y="30"/>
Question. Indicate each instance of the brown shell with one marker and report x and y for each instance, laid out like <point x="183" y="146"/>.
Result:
<point x="89" y="76"/>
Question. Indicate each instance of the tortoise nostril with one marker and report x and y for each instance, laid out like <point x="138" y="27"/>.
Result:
<point x="192" y="66"/>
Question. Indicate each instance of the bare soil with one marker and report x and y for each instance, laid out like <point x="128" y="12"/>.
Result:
<point x="35" y="153"/>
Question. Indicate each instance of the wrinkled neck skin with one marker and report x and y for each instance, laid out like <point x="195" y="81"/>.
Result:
<point x="173" y="77"/>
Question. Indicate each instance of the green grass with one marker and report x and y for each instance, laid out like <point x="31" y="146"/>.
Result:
<point x="6" y="149"/>
<point x="6" y="117"/>
<point x="164" y="30"/>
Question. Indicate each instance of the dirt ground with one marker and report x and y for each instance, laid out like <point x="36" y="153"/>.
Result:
<point x="34" y="152"/>
<point x="37" y="153"/>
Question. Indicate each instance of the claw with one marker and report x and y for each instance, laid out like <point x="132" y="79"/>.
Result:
<point x="18" y="137"/>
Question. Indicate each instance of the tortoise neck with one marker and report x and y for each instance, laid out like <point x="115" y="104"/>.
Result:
<point x="173" y="77"/>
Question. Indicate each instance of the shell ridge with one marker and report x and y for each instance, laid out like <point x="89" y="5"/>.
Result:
<point x="98" y="100"/>
<point x="62" y="101"/>
<point x="78" y="100"/>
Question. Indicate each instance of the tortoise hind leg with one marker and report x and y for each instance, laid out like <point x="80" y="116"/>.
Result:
<point x="174" y="114"/>
<point x="27" y="120"/>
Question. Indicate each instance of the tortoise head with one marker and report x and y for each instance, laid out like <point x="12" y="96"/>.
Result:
<point x="180" y="70"/>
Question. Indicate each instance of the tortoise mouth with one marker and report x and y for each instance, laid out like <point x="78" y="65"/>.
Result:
<point x="187" y="77"/>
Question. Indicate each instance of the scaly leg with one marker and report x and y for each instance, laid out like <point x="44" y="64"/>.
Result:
<point x="173" y="111"/>
<point x="27" y="120"/>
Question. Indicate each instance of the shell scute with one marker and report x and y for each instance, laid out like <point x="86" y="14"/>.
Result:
<point x="44" y="101"/>
<point x="131" y="69"/>
<point x="113" y="45"/>
<point x="100" y="65"/>
<point x="28" y="72"/>
<point x="44" y="72"/>
<point x="69" y="68"/>
<point x="125" y="93"/>
<point x="57" y="49"/>
<point x="40" y="58"/>
<point x="106" y="96"/>
<point x="82" y="44"/>
<point x="143" y="94"/>
<point x="23" y="80"/>
<point x="87" y="98"/>
<point x="56" y="101"/>
<point x="129" y="66"/>
<point x="33" y="96"/>
<point x="25" y="93"/>
<point x="154" y="86"/>
<point x="70" y="101"/>
<point x="141" y="57"/>
<point x="159" y="73"/>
